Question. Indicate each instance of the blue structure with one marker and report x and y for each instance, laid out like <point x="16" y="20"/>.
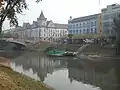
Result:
<point x="83" y="25"/>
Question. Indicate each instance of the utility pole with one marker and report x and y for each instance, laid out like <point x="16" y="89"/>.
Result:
<point x="99" y="20"/>
<point x="99" y="9"/>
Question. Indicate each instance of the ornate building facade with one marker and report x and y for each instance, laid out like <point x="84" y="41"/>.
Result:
<point x="42" y="29"/>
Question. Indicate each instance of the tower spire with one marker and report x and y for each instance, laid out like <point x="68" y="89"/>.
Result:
<point x="42" y="17"/>
<point x="41" y="11"/>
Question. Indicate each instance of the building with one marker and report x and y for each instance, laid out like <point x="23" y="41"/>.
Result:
<point x="84" y="25"/>
<point x="42" y="29"/>
<point x="108" y="15"/>
<point x="100" y="30"/>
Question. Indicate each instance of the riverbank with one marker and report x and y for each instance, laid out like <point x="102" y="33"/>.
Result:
<point x="11" y="80"/>
<point x="43" y="45"/>
<point x="95" y="49"/>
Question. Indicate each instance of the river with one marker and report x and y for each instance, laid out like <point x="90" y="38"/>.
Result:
<point x="68" y="73"/>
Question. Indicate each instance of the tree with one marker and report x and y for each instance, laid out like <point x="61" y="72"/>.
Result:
<point x="70" y="36"/>
<point x="10" y="10"/>
<point x="116" y="28"/>
<point x="1" y="3"/>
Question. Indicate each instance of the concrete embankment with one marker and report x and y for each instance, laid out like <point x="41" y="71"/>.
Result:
<point x="43" y="46"/>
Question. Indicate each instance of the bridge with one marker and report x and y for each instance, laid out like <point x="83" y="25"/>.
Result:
<point x="11" y="44"/>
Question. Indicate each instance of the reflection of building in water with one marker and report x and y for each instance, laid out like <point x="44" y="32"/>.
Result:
<point x="105" y="79"/>
<point x="40" y="64"/>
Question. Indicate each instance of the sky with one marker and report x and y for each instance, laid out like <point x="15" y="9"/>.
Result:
<point x="59" y="11"/>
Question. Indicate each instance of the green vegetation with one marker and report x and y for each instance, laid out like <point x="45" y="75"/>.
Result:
<point x="10" y="80"/>
<point x="70" y="36"/>
<point x="85" y="36"/>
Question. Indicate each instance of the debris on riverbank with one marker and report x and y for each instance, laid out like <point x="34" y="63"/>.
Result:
<point x="99" y="50"/>
<point x="10" y="80"/>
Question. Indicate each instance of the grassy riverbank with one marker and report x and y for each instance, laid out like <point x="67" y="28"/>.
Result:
<point x="10" y="80"/>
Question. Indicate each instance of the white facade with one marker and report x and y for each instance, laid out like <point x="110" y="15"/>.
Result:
<point x="42" y="30"/>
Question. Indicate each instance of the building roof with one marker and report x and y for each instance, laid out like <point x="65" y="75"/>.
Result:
<point x="84" y="18"/>
<point x="26" y="25"/>
<point x="61" y="26"/>
<point x="42" y="17"/>
<point x="48" y="22"/>
<point x="36" y="23"/>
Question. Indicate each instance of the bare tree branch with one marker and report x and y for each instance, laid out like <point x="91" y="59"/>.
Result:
<point x="10" y="10"/>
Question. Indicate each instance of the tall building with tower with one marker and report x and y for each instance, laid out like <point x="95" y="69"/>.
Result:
<point x="42" y="29"/>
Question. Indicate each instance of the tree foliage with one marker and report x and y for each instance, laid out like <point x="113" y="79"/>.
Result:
<point x="70" y="36"/>
<point x="10" y="9"/>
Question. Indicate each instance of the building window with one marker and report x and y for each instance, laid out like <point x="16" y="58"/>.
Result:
<point x="76" y="31"/>
<point x="83" y="24"/>
<point x="80" y="31"/>
<point x="73" y="31"/>
<point x="70" y="31"/>
<point x="80" y="25"/>
<point x="87" y="31"/>
<point x="95" y="23"/>
<point x="87" y="23"/>
<point x="76" y="25"/>
<point x="73" y="26"/>
<point x="91" y="23"/>
<point x="91" y="30"/>
<point x="95" y="30"/>
<point x="83" y="30"/>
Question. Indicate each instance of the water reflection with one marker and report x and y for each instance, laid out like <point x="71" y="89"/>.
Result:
<point x="10" y="53"/>
<point x="68" y="73"/>
<point x="100" y="74"/>
<point x="39" y="64"/>
<point x="117" y="72"/>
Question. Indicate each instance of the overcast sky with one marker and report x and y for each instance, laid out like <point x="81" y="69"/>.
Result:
<point x="59" y="11"/>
